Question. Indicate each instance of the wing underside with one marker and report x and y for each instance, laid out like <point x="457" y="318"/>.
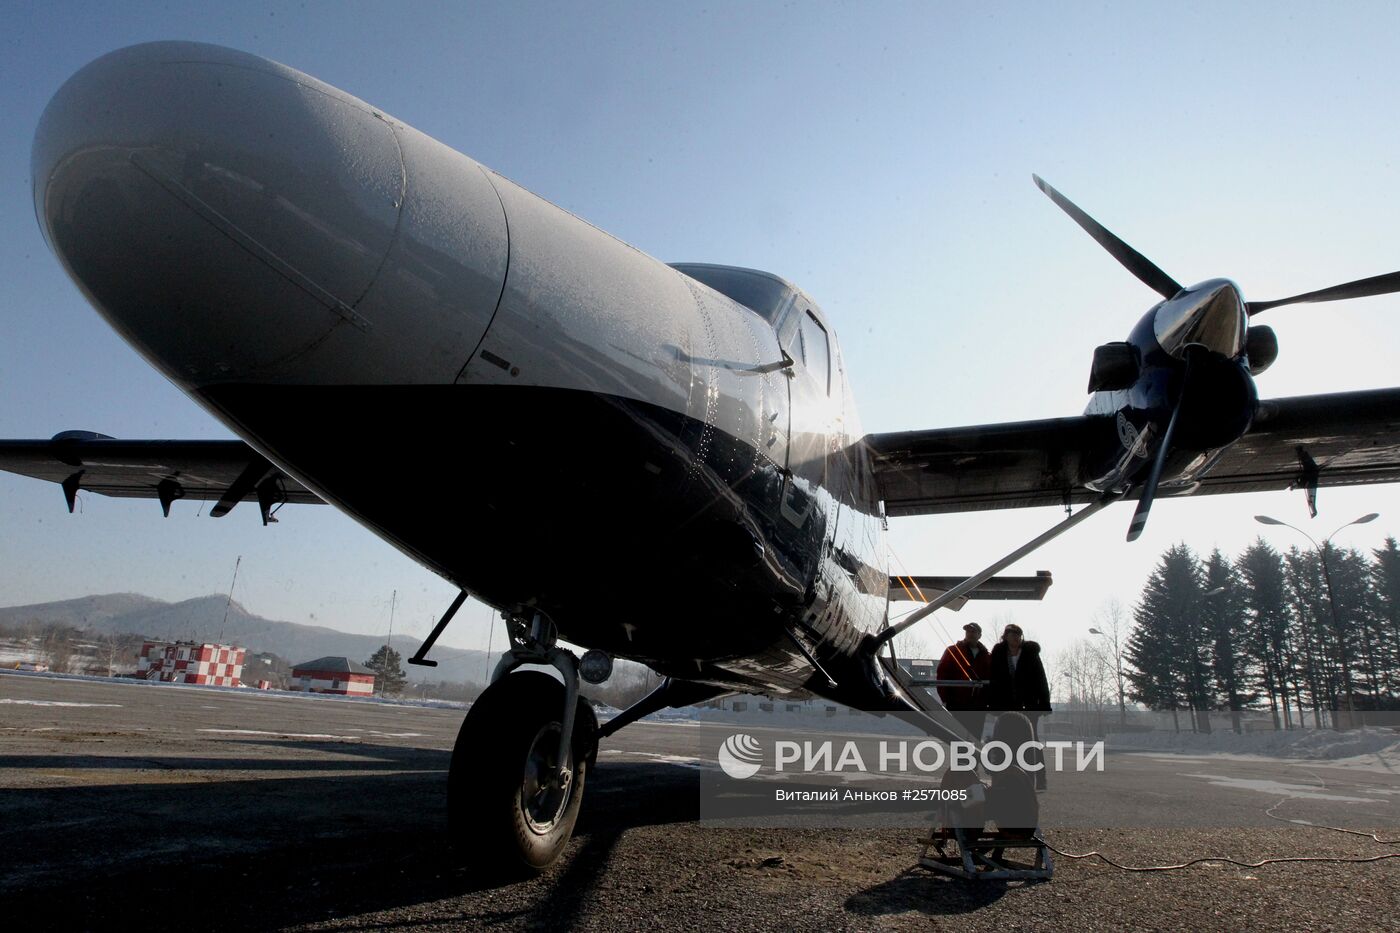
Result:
<point x="224" y="472"/>
<point x="1346" y="438"/>
<point x="1340" y="439"/>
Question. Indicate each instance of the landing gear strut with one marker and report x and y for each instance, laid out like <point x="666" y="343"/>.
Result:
<point x="522" y="757"/>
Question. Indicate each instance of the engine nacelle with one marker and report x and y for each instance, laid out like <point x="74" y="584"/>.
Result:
<point x="1219" y="403"/>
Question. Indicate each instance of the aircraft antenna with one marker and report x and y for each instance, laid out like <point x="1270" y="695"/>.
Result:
<point x="490" y="632"/>
<point x="229" y="601"/>
<point x="389" y="641"/>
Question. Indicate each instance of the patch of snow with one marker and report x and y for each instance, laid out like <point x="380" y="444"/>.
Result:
<point x="244" y="691"/>
<point x="1310" y="744"/>
<point x="281" y="735"/>
<point x="688" y="761"/>
<point x="1278" y="788"/>
<point x="53" y="703"/>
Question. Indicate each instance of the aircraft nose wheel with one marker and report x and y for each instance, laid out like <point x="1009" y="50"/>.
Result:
<point x="510" y="808"/>
<point x="545" y="793"/>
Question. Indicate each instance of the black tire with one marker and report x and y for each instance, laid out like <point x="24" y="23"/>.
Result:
<point x="498" y="816"/>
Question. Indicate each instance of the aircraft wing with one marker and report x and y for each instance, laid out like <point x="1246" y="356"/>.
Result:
<point x="923" y="589"/>
<point x="225" y="472"/>
<point x="1339" y="439"/>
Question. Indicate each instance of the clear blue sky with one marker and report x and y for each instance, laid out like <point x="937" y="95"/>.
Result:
<point x="877" y="154"/>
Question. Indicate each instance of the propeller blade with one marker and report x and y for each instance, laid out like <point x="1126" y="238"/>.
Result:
<point x="1361" y="288"/>
<point x="1154" y="475"/>
<point x="1135" y="262"/>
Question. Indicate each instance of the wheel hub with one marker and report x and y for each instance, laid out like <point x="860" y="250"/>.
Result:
<point x="544" y="790"/>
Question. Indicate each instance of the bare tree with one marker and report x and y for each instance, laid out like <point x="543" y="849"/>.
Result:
<point x="118" y="651"/>
<point x="57" y="648"/>
<point x="1111" y="627"/>
<point x="32" y="635"/>
<point x="1083" y="670"/>
<point x="914" y="643"/>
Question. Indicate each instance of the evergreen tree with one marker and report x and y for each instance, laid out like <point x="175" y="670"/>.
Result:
<point x="389" y="677"/>
<point x="1314" y="647"/>
<point x="1223" y="617"/>
<point x="1222" y="635"/>
<point x="1385" y="594"/>
<point x="1164" y="650"/>
<point x="1359" y="650"/>
<point x="1261" y="574"/>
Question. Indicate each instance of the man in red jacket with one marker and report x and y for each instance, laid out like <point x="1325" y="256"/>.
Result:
<point x="966" y="660"/>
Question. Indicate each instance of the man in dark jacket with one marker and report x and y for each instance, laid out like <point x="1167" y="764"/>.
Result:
<point x="966" y="660"/>
<point x="1019" y="684"/>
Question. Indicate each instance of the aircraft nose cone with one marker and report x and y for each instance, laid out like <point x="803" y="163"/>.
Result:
<point x="223" y="212"/>
<point x="1209" y="315"/>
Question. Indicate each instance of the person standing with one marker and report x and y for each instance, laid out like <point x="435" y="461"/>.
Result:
<point x="1018" y="684"/>
<point x="966" y="660"/>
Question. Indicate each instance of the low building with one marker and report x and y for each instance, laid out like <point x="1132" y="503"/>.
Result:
<point x="333" y="675"/>
<point x="919" y="668"/>
<point x="187" y="662"/>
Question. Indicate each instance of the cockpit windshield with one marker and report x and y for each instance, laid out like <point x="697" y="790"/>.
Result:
<point x="764" y="294"/>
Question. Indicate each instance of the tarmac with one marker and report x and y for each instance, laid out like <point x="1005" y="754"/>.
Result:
<point x="162" y="806"/>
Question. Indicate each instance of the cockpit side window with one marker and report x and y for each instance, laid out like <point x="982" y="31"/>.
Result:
<point x="816" y="349"/>
<point x="793" y="342"/>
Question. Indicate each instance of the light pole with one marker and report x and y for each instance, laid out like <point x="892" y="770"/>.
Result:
<point x="1118" y="671"/>
<point x="1331" y="602"/>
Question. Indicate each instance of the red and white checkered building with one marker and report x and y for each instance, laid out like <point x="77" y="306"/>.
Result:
<point x="185" y="662"/>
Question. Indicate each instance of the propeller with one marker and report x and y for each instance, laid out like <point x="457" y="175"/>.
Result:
<point x="1361" y="288"/>
<point x="1157" y="280"/>
<point x="1154" y="475"/>
<point x="1164" y="285"/>
<point x="1135" y="262"/>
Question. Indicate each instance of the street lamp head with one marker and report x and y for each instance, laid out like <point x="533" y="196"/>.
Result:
<point x="1215" y="592"/>
<point x="1094" y="631"/>
<point x="1266" y="520"/>
<point x="1367" y="518"/>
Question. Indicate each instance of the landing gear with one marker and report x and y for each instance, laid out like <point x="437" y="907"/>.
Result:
<point x="521" y="760"/>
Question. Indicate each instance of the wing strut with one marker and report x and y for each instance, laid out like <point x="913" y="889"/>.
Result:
<point x="810" y="659"/>
<point x="977" y="579"/>
<point x="423" y="649"/>
<point x="258" y="467"/>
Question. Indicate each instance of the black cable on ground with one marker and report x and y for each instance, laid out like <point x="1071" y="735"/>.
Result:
<point x="1221" y="858"/>
<point x="1375" y="837"/>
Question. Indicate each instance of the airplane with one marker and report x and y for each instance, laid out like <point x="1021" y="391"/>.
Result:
<point x="656" y="462"/>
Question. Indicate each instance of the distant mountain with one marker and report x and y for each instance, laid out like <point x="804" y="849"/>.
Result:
<point x="202" y="619"/>
<point x="84" y="612"/>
